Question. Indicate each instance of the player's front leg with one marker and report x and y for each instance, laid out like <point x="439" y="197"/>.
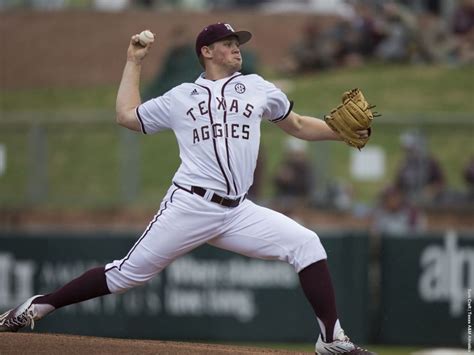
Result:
<point x="259" y="232"/>
<point x="341" y="344"/>
<point x="316" y="283"/>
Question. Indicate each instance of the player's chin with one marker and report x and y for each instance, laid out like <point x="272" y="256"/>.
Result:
<point x="236" y="65"/>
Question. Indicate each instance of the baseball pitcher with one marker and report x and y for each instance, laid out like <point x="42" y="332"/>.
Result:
<point x="216" y="120"/>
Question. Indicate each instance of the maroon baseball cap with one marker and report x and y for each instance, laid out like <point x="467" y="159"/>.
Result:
<point x="218" y="31"/>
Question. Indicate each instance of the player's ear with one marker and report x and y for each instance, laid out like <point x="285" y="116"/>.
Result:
<point x="206" y="52"/>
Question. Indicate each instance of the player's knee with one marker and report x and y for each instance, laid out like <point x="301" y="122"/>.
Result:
<point x="307" y="253"/>
<point x="120" y="282"/>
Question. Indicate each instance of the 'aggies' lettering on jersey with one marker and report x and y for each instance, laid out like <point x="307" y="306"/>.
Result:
<point x="217" y="130"/>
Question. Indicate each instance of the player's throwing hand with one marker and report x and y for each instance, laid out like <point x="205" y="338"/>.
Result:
<point x="137" y="50"/>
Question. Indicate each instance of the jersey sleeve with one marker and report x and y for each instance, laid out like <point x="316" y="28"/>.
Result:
<point x="277" y="106"/>
<point x="154" y="114"/>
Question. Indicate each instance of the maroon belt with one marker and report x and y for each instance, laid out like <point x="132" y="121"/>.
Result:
<point x="220" y="200"/>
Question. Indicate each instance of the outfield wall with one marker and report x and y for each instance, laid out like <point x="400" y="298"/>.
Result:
<point x="216" y="295"/>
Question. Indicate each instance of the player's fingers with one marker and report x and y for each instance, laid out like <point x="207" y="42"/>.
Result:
<point x="150" y="43"/>
<point x="135" y="39"/>
<point x="152" y="40"/>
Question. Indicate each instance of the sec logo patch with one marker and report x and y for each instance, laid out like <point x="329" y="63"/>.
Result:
<point x="239" y="88"/>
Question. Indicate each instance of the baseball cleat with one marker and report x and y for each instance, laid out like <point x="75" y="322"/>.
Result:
<point x="23" y="315"/>
<point x="340" y="345"/>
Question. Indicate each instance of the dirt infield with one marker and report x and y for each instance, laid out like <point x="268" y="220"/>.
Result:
<point x="52" y="344"/>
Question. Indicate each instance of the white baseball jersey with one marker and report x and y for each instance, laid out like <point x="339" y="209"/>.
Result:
<point x="217" y="125"/>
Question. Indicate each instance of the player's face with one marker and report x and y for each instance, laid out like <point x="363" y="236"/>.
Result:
<point x="226" y="53"/>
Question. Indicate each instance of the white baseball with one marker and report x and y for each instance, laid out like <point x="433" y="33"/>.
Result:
<point x="146" y="37"/>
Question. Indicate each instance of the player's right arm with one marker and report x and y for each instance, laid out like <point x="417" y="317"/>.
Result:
<point x="128" y="95"/>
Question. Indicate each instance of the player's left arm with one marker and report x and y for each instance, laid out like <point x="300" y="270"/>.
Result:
<point x="310" y="128"/>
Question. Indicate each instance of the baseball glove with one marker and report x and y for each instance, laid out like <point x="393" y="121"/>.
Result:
<point x="352" y="115"/>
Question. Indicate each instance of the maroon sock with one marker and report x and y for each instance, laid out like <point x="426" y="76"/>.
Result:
<point x="89" y="285"/>
<point x="317" y="286"/>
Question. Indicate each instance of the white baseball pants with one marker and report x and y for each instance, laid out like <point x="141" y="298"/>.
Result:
<point x="186" y="221"/>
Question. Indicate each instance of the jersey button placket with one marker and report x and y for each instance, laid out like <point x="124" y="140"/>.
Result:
<point x="218" y="114"/>
<point x="222" y="141"/>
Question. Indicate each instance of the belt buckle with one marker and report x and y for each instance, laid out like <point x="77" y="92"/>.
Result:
<point x="221" y="200"/>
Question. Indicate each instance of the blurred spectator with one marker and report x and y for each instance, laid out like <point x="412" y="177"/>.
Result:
<point x="433" y="41"/>
<point x="294" y="178"/>
<point x="463" y="29"/>
<point x="465" y="49"/>
<point x="468" y="175"/>
<point x="147" y="4"/>
<point x="365" y="27"/>
<point x="396" y="33"/>
<point x="339" y="195"/>
<point x="398" y="27"/>
<point x="248" y="3"/>
<point x="395" y="216"/>
<point x="419" y="176"/>
<point x="315" y="50"/>
<point x="322" y="47"/>
<point x="463" y="18"/>
<point x="340" y="8"/>
<point x="433" y="6"/>
<point x="347" y="43"/>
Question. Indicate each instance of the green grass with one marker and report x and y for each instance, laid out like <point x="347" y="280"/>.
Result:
<point x="395" y="89"/>
<point x="84" y="144"/>
<point x="52" y="99"/>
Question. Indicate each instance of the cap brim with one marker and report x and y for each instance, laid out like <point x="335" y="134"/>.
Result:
<point x="242" y="36"/>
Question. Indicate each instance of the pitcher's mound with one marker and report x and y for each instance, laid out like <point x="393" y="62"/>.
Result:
<point x="60" y="344"/>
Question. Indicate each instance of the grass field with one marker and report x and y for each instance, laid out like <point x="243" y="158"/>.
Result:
<point x="395" y="89"/>
<point x="83" y="142"/>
